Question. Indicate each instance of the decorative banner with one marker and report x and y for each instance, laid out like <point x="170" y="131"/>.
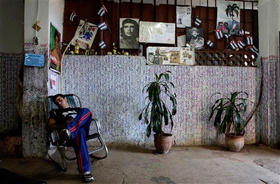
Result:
<point x="183" y="16"/>
<point x="55" y="49"/>
<point x="228" y="16"/>
<point x="85" y="34"/>
<point x="170" y="56"/>
<point x="34" y="60"/>
<point x="157" y="32"/>
<point x="241" y="44"/>
<point x="129" y="33"/>
<point x="197" y="22"/>
<point x="195" y="37"/>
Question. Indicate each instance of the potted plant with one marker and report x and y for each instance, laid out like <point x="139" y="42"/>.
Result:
<point x="156" y="113"/>
<point x="229" y="118"/>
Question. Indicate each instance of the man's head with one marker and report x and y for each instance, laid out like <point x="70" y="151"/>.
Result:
<point x="194" y="32"/>
<point x="61" y="101"/>
<point x="129" y="29"/>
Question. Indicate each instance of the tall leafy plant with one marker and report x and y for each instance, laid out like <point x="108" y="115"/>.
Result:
<point x="156" y="112"/>
<point x="229" y="113"/>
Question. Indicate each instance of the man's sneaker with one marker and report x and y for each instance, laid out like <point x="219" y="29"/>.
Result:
<point x="86" y="178"/>
<point x="64" y="136"/>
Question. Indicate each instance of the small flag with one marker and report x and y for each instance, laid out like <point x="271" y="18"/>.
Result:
<point x="102" y="26"/>
<point x="197" y="22"/>
<point x="102" y="44"/>
<point x="240" y="44"/>
<point x="254" y="49"/>
<point x="226" y="36"/>
<point x="241" y="32"/>
<point x="102" y="11"/>
<point x="233" y="45"/>
<point x="210" y="43"/>
<point x="219" y="34"/>
<point x="249" y="40"/>
<point x="73" y="16"/>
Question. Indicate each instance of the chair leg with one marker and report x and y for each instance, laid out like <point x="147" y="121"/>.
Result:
<point x="100" y="148"/>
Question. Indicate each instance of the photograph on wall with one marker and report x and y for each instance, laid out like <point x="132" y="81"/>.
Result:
<point x="55" y="49"/>
<point x="129" y="33"/>
<point x="228" y="17"/>
<point x="157" y="32"/>
<point x="170" y="56"/>
<point x="195" y="37"/>
<point x="84" y="35"/>
<point x="183" y="16"/>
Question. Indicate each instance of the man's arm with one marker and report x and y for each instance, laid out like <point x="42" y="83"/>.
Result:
<point x="53" y="125"/>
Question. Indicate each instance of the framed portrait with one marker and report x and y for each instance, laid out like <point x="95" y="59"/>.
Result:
<point x="195" y="37"/>
<point x="228" y="17"/>
<point x="129" y="33"/>
<point x="183" y="16"/>
<point x="55" y="49"/>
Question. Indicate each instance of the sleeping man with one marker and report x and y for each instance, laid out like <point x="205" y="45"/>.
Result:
<point x="74" y="124"/>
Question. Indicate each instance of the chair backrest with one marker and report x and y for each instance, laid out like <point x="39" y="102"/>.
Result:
<point x="72" y="99"/>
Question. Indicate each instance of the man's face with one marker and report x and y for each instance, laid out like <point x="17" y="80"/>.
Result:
<point x="61" y="102"/>
<point x="128" y="29"/>
<point x="194" y="33"/>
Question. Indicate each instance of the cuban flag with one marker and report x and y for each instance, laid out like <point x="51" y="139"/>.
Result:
<point x="197" y="22"/>
<point x="249" y="40"/>
<point x="241" y="32"/>
<point x="219" y="34"/>
<point x="210" y="43"/>
<point x="233" y="45"/>
<point x="102" y="11"/>
<point x="254" y="49"/>
<point x="226" y="36"/>
<point x="240" y="44"/>
<point x="73" y="16"/>
<point x="102" y="44"/>
<point x="102" y="26"/>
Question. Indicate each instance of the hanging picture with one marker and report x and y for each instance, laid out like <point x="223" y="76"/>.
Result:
<point x="55" y="49"/>
<point x="157" y="32"/>
<point x="195" y="37"/>
<point x="228" y="17"/>
<point x="170" y="56"/>
<point x="183" y="16"/>
<point x="84" y="35"/>
<point x="129" y="33"/>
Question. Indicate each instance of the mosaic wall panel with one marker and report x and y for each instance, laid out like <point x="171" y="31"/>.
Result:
<point x="9" y="69"/>
<point x="111" y="86"/>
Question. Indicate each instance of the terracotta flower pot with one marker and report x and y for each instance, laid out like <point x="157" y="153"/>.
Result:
<point x="234" y="142"/>
<point x="163" y="143"/>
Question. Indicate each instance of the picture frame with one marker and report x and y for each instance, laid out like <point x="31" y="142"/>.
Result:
<point x="55" y="50"/>
<point x="129" y="33"/>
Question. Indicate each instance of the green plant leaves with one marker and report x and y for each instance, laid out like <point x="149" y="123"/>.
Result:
<point x="156" y="111"/>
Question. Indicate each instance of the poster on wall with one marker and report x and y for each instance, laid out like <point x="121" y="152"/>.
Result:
<point x="195" y="37"/>
<point x="183" y="16"/>
<point x="170" y="56"/>
<point x="228" y="17"/>
<point x="84" y="35"/>
<point x="157" y="32"/>
<point x="129" y="33"/>
<point x="55" y="49"/>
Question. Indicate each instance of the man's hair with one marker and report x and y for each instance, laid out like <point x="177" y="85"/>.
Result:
<point x="56" y="96"/>
<point x="135" y="31"/>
